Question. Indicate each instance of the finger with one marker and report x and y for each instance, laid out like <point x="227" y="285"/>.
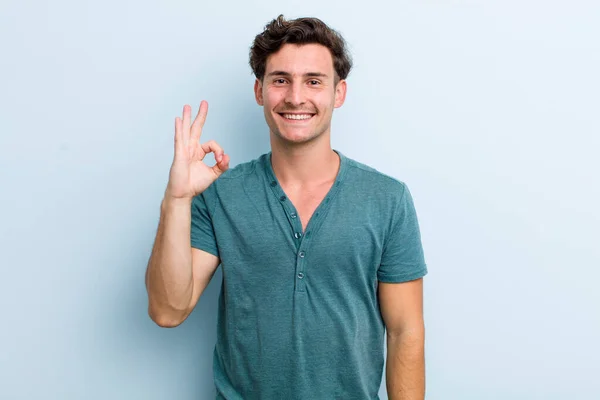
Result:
<point x="187" y="111"/>
<point x="221" y="166"/>
<point x="198" y="124"/>
<point x="212" y="147"/>
<point x="178" y="136"/>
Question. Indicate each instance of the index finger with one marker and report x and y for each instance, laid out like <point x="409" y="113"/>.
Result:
<point x="196" y="129"/>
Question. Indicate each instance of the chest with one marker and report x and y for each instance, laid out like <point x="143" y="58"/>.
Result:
<point x="328" y="239"/>
<point x="307" y="201"/>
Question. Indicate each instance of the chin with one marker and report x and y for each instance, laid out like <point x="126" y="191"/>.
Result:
<point x="296" y="137"/>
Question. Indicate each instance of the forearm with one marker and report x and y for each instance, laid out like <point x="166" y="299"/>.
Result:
<point x="169" y="278"/>
<point x="405" y="371"/>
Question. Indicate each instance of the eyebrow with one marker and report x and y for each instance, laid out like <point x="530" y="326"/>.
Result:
<point x="287" y="74"/>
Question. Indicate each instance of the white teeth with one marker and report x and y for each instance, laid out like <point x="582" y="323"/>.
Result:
<point x="297" y="116"/>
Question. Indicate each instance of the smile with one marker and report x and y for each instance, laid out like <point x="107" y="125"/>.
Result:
<point x="297" y="117"/>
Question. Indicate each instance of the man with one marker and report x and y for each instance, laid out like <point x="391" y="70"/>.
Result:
<point x="319" y="253"/>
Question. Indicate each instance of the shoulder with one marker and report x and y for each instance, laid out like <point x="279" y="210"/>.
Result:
<point x="242" y="170"/>
<point x="233" y="180"/>
<point x="364" y="178"/>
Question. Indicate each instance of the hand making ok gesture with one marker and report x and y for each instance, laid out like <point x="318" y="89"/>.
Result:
<point x="189" y="175"/>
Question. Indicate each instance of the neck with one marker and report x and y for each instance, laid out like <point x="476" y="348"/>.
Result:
<point x="310" y="163"/>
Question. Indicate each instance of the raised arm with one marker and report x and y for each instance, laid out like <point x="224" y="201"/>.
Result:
<point x="177" y="274"/>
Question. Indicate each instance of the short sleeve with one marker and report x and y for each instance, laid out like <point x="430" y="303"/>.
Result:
<point x="402" y="259"/>
<point x="202" y="229"/>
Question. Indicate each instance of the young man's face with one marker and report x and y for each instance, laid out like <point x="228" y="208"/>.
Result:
<point x="298" y="92"/>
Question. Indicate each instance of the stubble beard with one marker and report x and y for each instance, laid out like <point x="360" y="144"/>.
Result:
<point x="312" y="137"/>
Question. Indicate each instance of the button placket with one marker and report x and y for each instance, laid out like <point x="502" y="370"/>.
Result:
<point x="289" y="210"/>
<point x="302" y="240"/>
<point x="300" y="268"/>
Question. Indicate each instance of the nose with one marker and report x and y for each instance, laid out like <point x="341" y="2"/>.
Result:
<point x="295" y="95"/>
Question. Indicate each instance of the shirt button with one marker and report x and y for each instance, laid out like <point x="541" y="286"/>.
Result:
<point x="273" y="183"/>
<point x="301" y="254"/>
<point x="297" y="235"/>
<point x="300" y="275"/>
<point x="293" y="215"/>
<point x="282" y="198"/>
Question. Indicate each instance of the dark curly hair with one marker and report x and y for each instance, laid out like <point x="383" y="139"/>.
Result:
<point x="299" y="31"/>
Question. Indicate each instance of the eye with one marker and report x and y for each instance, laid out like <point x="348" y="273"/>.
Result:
<point x="279" y="81"/>
<point x="314" y="82"/>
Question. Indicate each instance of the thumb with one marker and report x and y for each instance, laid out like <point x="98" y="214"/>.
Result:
<point x="221" y="166"/>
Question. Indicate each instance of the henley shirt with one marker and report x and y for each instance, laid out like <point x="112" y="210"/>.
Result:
<point x="298" y="313"/>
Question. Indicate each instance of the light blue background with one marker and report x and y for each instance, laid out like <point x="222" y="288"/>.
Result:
<point x="489" y="110"/>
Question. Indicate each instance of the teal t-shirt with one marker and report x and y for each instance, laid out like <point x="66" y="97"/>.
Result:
<point x="298" y="313"/>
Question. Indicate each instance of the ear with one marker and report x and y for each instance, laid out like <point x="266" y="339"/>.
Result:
<point x="340" y="93"/>
<point x="258" y="92"/>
